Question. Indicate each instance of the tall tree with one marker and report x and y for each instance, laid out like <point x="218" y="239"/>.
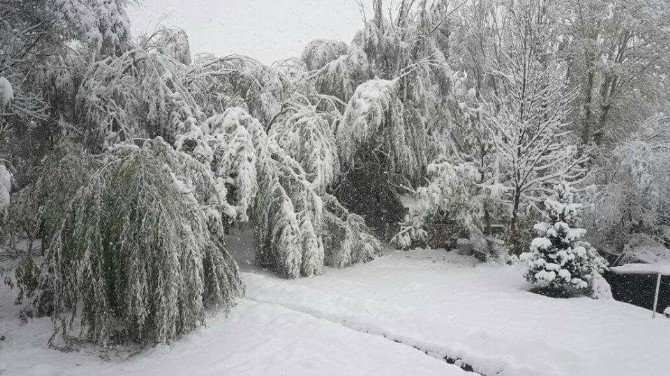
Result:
<point x="618" y="52"/>
<point x="527" y="115"/>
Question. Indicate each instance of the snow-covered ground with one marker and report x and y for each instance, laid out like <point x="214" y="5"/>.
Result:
<point x="401" y="314"/>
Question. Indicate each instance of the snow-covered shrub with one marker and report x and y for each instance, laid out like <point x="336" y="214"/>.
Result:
<point x="559" y="262"/>
<point x="449" y="198"/>
<point x="600" y="288"/>
<point x="645" y="248"/>
<point x="320" y="52"/>
<point x="137" y="255"/>
<point x="632" y="193"/>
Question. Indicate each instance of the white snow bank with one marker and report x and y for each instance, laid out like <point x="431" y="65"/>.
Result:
<point x="483" y="315"/>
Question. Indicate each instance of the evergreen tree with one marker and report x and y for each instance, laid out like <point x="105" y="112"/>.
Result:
<point x="559" y="262"/>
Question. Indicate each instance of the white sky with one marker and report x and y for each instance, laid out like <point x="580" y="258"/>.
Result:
<point x="267" y="30"/>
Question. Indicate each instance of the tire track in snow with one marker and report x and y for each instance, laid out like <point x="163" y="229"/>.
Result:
<point x="397" y="339"/>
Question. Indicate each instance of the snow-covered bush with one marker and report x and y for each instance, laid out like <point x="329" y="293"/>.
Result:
<point x="645" y="248"/>
<point x="559" y="262"/>
<point x="449" y="198"/>
<point x="632" y="194"/>
<point x="138" y="255"/>
<point x="600" y="288"/>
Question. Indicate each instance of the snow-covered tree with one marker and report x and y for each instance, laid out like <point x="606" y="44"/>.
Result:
<point x="137" y="256"/>
<point x="528" y="116"/>
<point x="218" y="83"/>
<point x="259" y="180"/>
<point x="101" y="24"/>
<point x="138" y="94"/>
<point x="320" y="52"/>
<point x="376" y="121"/>
<point x="618" y="52"/>
<point x="559" y="261"/>
<point x="308" y="137"/>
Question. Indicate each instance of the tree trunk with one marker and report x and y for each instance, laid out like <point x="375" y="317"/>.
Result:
<point x="377" y="7"/>
<point x="512" y="240"/>
<point x="588" y="113"/>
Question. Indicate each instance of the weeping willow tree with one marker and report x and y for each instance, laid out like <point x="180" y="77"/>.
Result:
<point x="240" y="120"/>
<point x="138" y="94"/>
<point x="135" y="255"/>
<point x="308" y="136"/>
<point x="262" y="182"/>
<point x="218" y="83"/>
<point x="395" y="84"/>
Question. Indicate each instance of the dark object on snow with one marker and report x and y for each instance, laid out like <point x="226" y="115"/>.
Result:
<point x="464" y="246"/>
<point x="638" y="289"/>
<point x="440" y="235"/>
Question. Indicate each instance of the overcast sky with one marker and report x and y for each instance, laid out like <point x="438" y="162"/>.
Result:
<point x="267" y="30"/>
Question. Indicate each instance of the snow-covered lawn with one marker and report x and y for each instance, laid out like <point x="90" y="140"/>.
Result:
<point x="401" y="314"/>
<point x="484" y="315"/>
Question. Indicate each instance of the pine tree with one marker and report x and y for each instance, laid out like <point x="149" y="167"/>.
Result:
<point x="559" y="262"/>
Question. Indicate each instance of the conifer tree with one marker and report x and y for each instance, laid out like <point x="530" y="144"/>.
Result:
<point x="559" y="262"/>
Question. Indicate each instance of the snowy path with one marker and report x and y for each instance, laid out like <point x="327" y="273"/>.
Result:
<point x="441" y="304"/>
<point x="256" y="339"/>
